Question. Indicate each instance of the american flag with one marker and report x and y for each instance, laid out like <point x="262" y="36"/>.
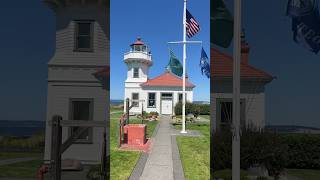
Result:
<point x="191" y="25"/>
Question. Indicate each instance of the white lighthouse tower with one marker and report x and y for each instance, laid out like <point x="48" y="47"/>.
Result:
<point x="138" y="60"/>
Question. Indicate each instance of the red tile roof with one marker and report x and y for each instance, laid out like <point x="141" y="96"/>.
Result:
<point x="223" y="67"/>
<point x="167" y="79"/>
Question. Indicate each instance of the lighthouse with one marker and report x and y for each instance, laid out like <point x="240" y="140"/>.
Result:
<point x="74" y="92"/>
<point x="159" y="94"/>
<point x="138" y="61"/>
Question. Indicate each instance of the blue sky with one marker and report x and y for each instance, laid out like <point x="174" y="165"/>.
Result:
<point x="157" y="22"/>
<point x="293" y="98"/>
<point x="27" y="43"/>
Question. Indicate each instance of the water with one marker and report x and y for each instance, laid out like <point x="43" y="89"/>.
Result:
<point x="116" y="101"/>
<point x="21" y="128"/>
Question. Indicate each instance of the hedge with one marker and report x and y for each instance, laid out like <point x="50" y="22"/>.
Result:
<point x="274" y="151"/>
<point x="191" y="108"/>
<point x="304" y="151"/>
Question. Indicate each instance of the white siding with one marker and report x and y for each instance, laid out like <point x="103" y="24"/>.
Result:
<point x="65" y="54"/>
<point x="143" y="95"/>
<point x="58" y="104"/>
<point x="70" y="75"/>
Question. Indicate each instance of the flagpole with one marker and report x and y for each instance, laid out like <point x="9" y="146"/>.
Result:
<point x="184" y="69"/>
<point x="236" y="92"/>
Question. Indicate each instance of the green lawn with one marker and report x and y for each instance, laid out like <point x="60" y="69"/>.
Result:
<point x="22" y="169"/>
<point x="195" y="152"/>
<point x="12" y="155"/>
<point x="205" y="116"/>
<point x="307" y="174"/>
<point x="123" y="162"/>
<point x="115" y="108"/>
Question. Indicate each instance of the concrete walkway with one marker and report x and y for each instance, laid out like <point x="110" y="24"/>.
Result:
<point x="160" y="163"/>
<point x="16" y="160"/>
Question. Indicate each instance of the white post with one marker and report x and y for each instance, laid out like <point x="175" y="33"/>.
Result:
<point x="236" y="92"/>
<point x="184" y="69"/>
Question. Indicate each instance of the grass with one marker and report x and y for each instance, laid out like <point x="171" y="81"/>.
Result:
<point x="26" y="169"/>
<point x="195" y="152"/>
<point x="205" y="116"/>
<point x="12" y="155"/>
<point x="115" y="108"/>
<point x="123" y="162"/>
<point x="308" y="174"/>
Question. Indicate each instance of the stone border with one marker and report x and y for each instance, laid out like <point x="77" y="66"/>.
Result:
<point x="139" y="167"/>
<point x="177" y="165"/>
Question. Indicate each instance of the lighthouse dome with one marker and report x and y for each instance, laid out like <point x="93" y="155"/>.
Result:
<point x="139" y="53"/>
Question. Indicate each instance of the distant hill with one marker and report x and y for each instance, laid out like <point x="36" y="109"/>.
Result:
<point x="201" y="102"/>
<point x="293" y="129"/>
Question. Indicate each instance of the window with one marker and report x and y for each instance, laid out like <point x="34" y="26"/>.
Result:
<point x="81" y="109"/>
<point x="224" y="113"/>
<point x="180" y="97"/>
<point x="135" y="99"/>
<point x="152" y="100"/>
<point x="135" y="72"/>
<point x="84" y="36"/>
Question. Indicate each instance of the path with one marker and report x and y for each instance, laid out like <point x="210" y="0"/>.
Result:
<point x="16" y="160"/>
<point x="162" y="161"/>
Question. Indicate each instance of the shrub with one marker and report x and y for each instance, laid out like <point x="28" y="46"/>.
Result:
<point x="263" y="148"/>
<point x="257" y="148"/>
<point x="304" y="151"/>
<point x="195" y="109"/>
<point x="221" y="149"/>
<point x="178" y="108"/>
<point x="155" y="113"/>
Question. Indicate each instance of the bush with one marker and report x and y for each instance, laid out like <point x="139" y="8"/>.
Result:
<point x="304" y="151"/>
<point x="257" y="148"/>
<point x="263" y="148"/>
<point x="195" y="109"/>
<point x="154" y="113"/>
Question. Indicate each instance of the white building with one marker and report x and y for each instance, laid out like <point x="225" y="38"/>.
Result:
<point x="73" y="91"/>
<point x="159" y="94"/>
<point x="252" y="96"/>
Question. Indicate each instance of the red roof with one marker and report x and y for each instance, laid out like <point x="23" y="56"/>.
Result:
<point x="138" y="42"/>
<point x="167" y="79"/>
<point x="223" y="67"/>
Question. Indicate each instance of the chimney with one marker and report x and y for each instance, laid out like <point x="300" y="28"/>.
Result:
<point x="245" y="49"/>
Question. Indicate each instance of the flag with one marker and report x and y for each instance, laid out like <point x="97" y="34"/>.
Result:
<point x="204" y="65"/>
<point x="305" y="23"/>
<point x="174" y="65"/>
<point x="192" y="25"/>
<point x="221" y="23"/>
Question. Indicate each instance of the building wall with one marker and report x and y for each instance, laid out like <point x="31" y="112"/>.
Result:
<point x="70" y="75"/>
<point x="143" y="72"/>
<point x="253" y="93"/>
<point x="255" y="108"/>
<point x="58" y="103"/>
<point x="65" y="39"/>
<point x="143" y="95"/>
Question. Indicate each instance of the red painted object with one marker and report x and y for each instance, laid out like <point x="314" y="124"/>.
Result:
<point x="41" y="171"/>
<point x="135" y="134"/>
